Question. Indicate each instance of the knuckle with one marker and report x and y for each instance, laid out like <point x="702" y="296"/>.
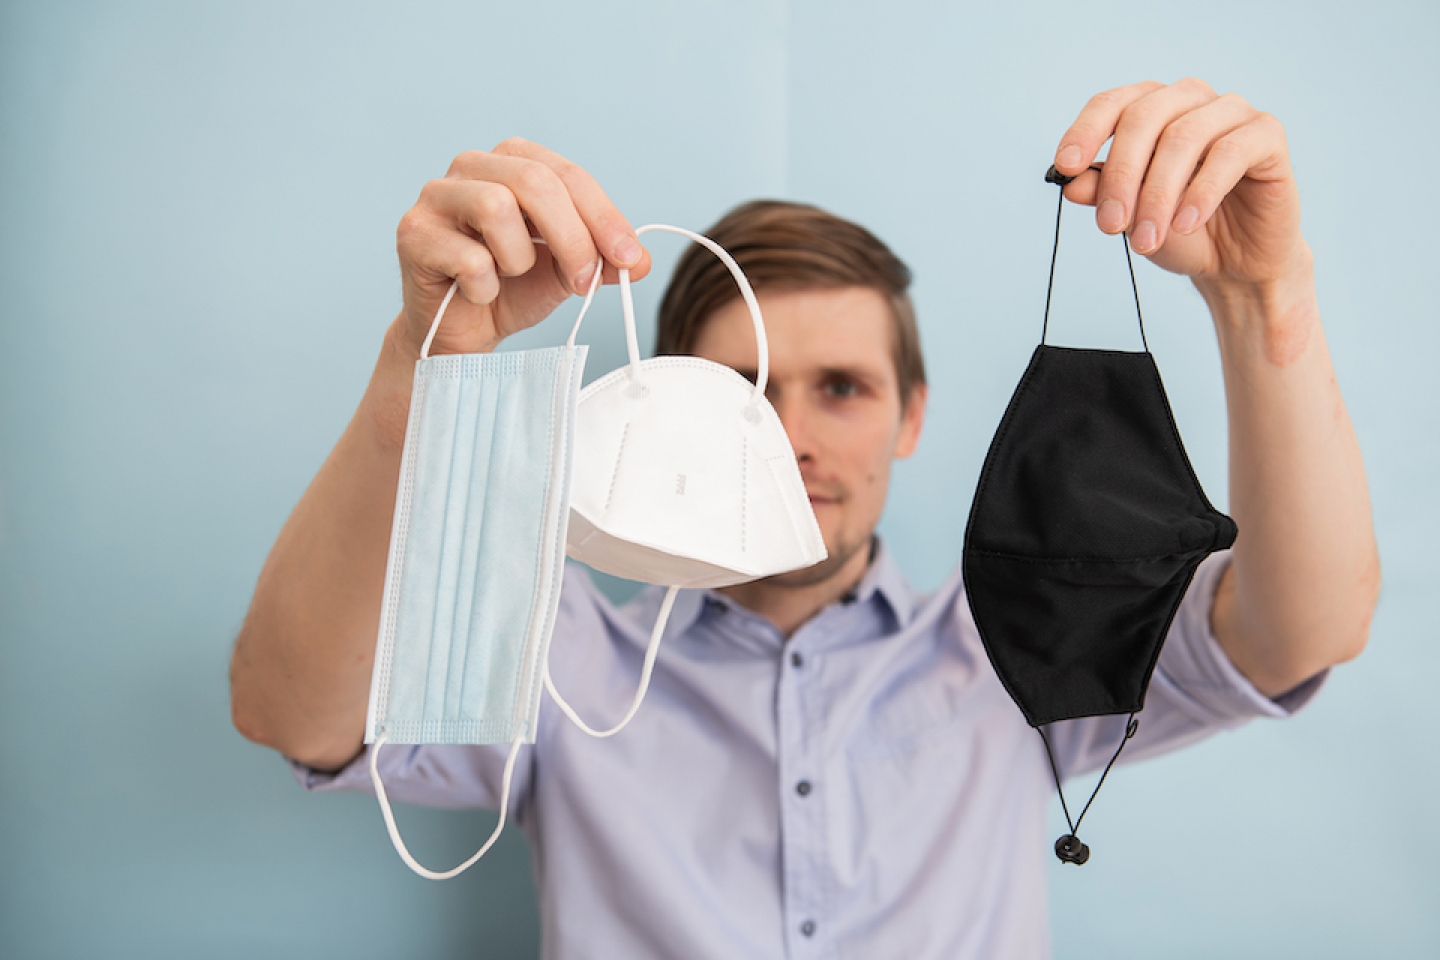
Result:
<point x="1195" y="85"/>
<point x="1228" y="147"/>
<point x="535" y="179"/>
<point x="463" y="160"/>
<point x="408" y="231"/>
<point x="1269" y="123"/>
<point x="512" y="146"/>
<point x="1234" y="99"/>
<point x="1184" y="134"/>
<point x="495" y="202"/>
<point x="475" y="266"/>
<point x="1118" y="173"/>
<point x="1107" y="98"/>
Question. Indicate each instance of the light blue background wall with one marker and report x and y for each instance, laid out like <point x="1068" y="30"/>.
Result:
<point x="196" y="263"/>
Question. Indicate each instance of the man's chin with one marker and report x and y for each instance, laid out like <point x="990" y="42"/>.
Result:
<point x="825" y="570"/>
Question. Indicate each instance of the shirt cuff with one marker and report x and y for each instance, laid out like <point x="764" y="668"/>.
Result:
<point x="354" y="776"/>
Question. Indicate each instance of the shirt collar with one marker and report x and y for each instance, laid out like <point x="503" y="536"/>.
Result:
<point x="883" y="583"/>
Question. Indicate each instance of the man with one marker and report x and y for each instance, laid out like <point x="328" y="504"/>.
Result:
<point x="826" y="763"/>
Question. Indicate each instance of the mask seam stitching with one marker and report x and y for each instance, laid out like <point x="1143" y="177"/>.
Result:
<point x="615" y="472"/>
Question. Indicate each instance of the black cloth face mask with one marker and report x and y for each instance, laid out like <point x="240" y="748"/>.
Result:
<point x="1087" y="526"/>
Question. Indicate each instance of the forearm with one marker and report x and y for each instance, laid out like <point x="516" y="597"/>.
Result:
<point x="1305" y="575"/>
<point x="300" y="673"/>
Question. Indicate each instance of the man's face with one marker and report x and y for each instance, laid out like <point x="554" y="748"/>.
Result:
<point x="833" y="383"/>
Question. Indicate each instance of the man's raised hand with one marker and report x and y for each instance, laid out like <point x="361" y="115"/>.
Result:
<point x="1200" y="181"/>
<point x="475" y="227"/>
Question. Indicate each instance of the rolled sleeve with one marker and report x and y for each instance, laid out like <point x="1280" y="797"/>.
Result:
<point x="1196" y="672"/>
<point x="1194" y="692"/>
<point x="450" y="776"/>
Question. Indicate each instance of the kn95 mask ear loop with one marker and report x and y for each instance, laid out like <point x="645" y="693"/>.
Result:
<point x="762" y="376"/>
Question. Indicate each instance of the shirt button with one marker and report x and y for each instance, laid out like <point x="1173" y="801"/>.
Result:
<point x="796" y="660"/>
<point x="808" y="928"/>
<point x="803" y="788"/>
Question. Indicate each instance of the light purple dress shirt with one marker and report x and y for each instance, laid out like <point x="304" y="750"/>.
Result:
<point x="864" y="789"/>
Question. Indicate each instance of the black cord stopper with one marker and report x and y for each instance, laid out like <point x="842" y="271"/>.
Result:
<point x="1070" y="850"/>
<point x="1055" y="176"/>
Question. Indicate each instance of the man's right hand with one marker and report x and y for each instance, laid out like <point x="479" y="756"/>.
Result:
<point x="476" y="225"/>
<point x="300" y="675"/>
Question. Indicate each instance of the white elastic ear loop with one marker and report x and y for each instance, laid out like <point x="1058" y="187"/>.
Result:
<point x="762" y="344"/>
<point x="645" y="671"/>
<point x="455" y="285"/>
<point x="410" y="861"/>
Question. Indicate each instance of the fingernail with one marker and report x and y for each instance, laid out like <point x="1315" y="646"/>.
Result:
<point x="1187" y="219"/>
<point x="627" y="252"/>
<point x="1069" y="156"/>
<point x="582" y="279"/>
<point x="1144" y="237"/>
<point x="1111" y="216"/>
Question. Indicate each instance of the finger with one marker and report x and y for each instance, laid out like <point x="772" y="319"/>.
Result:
<point x="1136" y="135"/>
<point x="612" y="233"/>
<point x="1256" y="149"/>
<point x="542" y="198"/>
<point x="490" y="212"/>
<point x="1182" y="146"/>
<point x="436" y="253"/>
<point x="1095" y="124"/>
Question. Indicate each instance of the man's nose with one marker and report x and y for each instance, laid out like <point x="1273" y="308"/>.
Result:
<point x="796" y="420"/>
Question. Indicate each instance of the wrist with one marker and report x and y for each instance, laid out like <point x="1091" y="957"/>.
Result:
<point x="1279" y="314"/>
<point x="385" y="408"/>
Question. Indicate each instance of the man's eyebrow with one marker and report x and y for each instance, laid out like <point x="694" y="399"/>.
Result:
<point x="855" y="373"/>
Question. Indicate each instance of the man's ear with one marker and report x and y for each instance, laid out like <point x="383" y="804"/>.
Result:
<point x="911" y="420"/>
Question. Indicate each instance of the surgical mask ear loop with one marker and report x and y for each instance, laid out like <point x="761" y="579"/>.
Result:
<point x="762" y="376"/>
<point x="455" y="285"/>
<point x="394" y="831"/>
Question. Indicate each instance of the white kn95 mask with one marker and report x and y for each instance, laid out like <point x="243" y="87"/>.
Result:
<point x="684" y="476"/>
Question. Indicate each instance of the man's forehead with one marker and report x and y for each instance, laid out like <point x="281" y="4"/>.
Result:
<point x="840" y="328"/>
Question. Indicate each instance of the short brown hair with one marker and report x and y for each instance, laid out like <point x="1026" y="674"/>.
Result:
<point x="790" y="246"/>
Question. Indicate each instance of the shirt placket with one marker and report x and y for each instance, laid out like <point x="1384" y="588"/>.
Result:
<point x="802" y="801"/>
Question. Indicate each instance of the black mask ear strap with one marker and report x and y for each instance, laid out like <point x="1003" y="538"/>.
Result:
<point x="1069" y="848"/>
<point x="1056" y="177"/>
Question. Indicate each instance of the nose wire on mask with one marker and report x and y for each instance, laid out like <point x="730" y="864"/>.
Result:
<point x="637" y="388"/>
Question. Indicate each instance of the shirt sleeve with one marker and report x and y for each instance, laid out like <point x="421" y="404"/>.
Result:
<point x="1194" y="692"/>
<point x="448" y="776"/>
<point x="461" y="776"/>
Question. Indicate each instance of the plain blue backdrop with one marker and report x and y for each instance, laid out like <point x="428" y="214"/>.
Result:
<point x="197" y="210"/>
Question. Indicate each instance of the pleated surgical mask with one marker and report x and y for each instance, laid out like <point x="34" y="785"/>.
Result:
<point x="472" y="583"/>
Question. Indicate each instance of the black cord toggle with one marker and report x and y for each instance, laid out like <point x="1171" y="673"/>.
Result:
<point x="1055" y="176"/>
<point x="1069" y="848"/>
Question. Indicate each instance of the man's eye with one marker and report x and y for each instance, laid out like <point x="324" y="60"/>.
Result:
<point x="840" y="388"/>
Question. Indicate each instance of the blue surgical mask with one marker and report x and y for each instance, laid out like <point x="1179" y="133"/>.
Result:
<point x="477" y="552"/>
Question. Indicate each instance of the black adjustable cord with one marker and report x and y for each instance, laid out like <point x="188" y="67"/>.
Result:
<point x="1059" y="179"/>
<point x="1069" y="848"/>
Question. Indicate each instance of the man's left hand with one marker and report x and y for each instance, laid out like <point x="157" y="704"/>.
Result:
<point x="1200" y="181"/>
